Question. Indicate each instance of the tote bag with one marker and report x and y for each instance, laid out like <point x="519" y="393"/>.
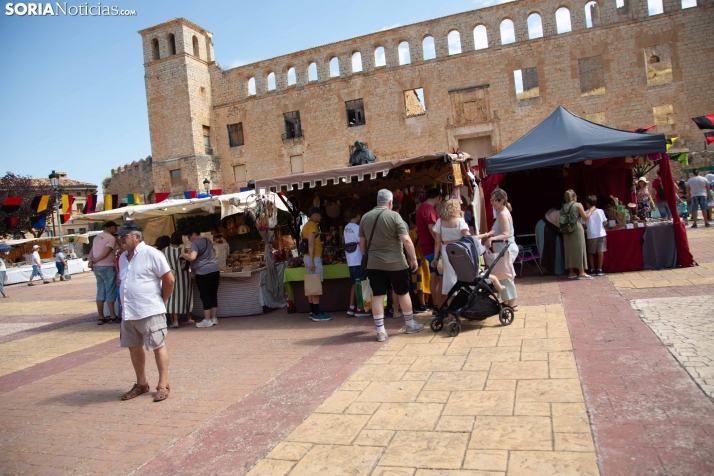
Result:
<point x="504" y="268"/>
<point x="313" y="285"/>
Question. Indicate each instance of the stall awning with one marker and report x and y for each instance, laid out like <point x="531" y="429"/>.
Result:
<point x="565" y="138"/>
<point x="228" y="204"/>
<point x="77" y="238"/>
<point x="361" y="172"/>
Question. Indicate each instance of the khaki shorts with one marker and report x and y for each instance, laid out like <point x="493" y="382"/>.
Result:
<point x="149" y="332"/>
<point x="597" y="245"/>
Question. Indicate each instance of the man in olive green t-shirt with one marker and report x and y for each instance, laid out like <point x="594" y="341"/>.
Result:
<point x="386" y="263"/>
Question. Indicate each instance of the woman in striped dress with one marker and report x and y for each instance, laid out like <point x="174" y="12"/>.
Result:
<point x="181" y="300"/>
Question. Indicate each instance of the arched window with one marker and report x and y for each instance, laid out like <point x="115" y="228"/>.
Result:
<point x="334" y="67"/>
<point x="379" y="58"/>
<point x="292" y="79"/>
<point x="356" y="62"/>
<point x="403" y="51"/>
<point x="251" y="87"/>
<point x="312" y="72"/>
<point x="271" y="81"/>
<point x="689" y="4"/>
<point x="480" y="38"/>
<point x="195" y="47"/>
<point x="592" y="14"/>
<point x="172" y="44"/>
<point x="155" y="48"/>
<point x="428" y="49"/>
<point x="454" y="42"/>
<point x="508" y="33"/>
<point x="535" y="26"/>
<point x="562" y="20"/>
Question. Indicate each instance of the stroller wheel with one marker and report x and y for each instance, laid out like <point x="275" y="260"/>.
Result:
<point x="436" y="324"/>
<point x="506" y="316"/>
<point x="453" y="329"/>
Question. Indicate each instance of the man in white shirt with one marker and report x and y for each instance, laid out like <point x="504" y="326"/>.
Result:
<point x="698" y="191"/>
<point x="596" y="241"/>
<point x="146" y="287"/>
<point x="37" y="267"/>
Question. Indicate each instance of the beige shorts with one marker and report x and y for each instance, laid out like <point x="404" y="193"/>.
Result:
<point x="149" y="332"/>
<point x="597" y="245"/>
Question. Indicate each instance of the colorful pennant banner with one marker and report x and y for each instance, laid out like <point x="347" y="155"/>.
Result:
<point x="190" y="194"/>
<point x="161" y="196"/>
<point x="67" y="201"/>
<point x="90" y="205"/>
<point x="11" y="204"/>
<point x="39" y="204"/>
<point x="111" y="202"/>
<point x="217" y="191"/>
<point x="38" y="222"/>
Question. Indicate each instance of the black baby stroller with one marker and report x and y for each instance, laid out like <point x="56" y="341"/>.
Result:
<point x="475" y="298"/>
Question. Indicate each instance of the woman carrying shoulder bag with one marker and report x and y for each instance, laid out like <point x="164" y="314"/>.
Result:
<point x="574" y="235"/>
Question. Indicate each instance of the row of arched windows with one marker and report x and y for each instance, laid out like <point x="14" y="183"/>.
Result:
<point x="507" y="33"/>
<point x="171" y="40"/>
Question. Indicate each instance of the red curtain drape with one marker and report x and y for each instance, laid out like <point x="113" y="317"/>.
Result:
<point x="684" y="256"/>
<point x="489" y="184"/>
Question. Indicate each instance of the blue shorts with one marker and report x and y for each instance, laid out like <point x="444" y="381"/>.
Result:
<point x="106" y="277"/>
<point x="698" y="203"/>
<point x="356" y="273"/>
<point x="429" y="258"/>
<point x="37" y="271"/>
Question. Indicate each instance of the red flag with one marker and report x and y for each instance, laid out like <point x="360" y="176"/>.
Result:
<point x="217" y="191"/>
<point x="11" y="204"/>
<point x="65" y="217"/>
<point x="642" y="130"/>
<point x="91" y="204"/>
<point x="704" y="122"/>
<point x="709" y="136"/>
<point x="161" y="196"/>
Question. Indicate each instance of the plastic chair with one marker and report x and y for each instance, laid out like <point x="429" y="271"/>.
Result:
<point x="525" y="255"/>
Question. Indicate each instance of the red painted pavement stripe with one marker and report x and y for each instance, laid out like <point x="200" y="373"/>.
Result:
<point x="237" y="438"/>
<point x="52" y="367"/>
<point x="647" y="414"/>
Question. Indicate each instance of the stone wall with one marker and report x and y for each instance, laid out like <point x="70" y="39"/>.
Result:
<point x="136" y="177"/>
<point x="629" y="70"/>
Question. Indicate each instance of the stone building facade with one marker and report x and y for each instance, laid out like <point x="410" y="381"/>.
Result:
<point x="479" y="92"/>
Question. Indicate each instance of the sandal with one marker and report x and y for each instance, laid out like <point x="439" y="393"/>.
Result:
<point x="103" y="321"/>
<point x="515" y="308"/>
<point x="162" y="393"/>
<point x="190" y="321"/>
<point x="116" y="320"/>
<point x="30" y="284"/>
<point x="135" y="391"/>
<point x="174" y="326"/>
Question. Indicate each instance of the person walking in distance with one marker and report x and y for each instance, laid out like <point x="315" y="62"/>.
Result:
<point x="37" y="267"/>
<point x="3" y="276"/>
<point x="146" y="287"/>
<point x="383" y="237"/>
<point x="60" y="262"/>
<point x="102" y="261"/>
<point x="426" y="218"/>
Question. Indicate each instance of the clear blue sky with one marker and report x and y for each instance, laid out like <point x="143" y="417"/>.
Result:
<point x="72" y="88"/>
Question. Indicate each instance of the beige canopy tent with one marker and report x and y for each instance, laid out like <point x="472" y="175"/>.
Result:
<point x="157" y="219"/>
<point x="77" y="239"/>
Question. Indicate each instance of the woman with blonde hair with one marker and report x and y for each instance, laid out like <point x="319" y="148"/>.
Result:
<point x="448" y="229"/>
<point x="574" y="242"/>
<point x="502" y="230"/>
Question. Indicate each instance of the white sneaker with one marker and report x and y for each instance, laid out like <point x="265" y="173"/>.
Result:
<point x="381" y="336"/>
<point x="215" y="321"/>
<point x="205" y="323"/>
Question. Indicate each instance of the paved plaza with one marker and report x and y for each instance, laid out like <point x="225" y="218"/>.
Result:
<point x="611" y="377"/>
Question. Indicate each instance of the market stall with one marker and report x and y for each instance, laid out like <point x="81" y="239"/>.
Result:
<point x="567" y="152"/>
<point x="250" y="276"/>
<point x="336" y="190"/>
<point x="19" y="264"/>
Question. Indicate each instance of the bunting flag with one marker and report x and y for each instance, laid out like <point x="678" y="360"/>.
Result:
<point x="90" y="206"/>
<point x="670" y="142"/>
<point x="642" y="130"/>
<point x="709" y="136"/>
<point x="11" y="204"/>
<point x="11" y="221"/>
<point x="704" y="122"/>
<point x="190" y="194"/>
<point x="111" y="202"/>
<point x="67" y="201"/>
<point x="39" y="204"/>
<point x="38" y="222"/>
<point x="217" y="191"/>
<point x="65" y="217"/>
<point x="681" y="157"/>
<point x="161" y="196"/>
<point x="133" y="199"/>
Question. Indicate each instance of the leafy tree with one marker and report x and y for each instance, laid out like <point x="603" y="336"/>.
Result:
<point x="12" y="185"/>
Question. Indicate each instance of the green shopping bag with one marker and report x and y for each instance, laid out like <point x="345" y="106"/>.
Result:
<point x="365" y="295"/>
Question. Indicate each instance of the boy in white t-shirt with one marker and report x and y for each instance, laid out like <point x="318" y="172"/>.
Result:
<point x="596" y="242"/>
<point x="354" y="258"/>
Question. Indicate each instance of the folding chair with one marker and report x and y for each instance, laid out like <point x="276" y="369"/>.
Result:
<point x="525" y="255"/>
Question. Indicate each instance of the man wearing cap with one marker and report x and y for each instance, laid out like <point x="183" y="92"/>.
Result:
<point x="146" y="287"/>
<point x="313" y="259"/>
<point x="37" y="267"/>
<point x="102" y="261"/>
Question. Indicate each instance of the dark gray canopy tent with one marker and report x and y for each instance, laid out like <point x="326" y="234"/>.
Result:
<point x="565" y="138"/>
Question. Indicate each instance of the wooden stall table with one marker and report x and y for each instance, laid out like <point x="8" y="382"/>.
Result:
<point x="237" y="295"/>
<point x="624" y="250"/>
<point x="336" y="286"/>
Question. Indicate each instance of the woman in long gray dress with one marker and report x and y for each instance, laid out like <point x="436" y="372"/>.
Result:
<point x="574" y="243"/>
<point x="181" y="300"/>
<point x="502" y="230"/>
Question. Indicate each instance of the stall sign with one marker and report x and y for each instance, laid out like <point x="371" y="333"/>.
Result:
<point x="456" y="168"/>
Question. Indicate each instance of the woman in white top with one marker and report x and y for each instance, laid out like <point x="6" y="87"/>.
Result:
<point x="3" y="273"/>
<point x="502" y="230"/>
<point x="448" y="229"/>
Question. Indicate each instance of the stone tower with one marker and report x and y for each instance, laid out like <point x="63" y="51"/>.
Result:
<point x="177" y="58"/>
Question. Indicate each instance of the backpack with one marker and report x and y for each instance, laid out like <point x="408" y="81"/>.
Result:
<point x="660" y="191"/>
<point x="566" y="220"/>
